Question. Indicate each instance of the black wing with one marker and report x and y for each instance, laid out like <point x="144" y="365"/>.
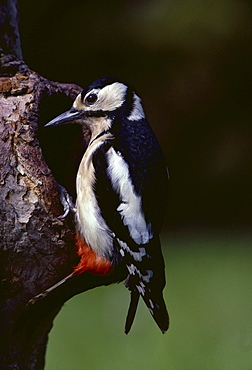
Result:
<point x="122" y="198"/>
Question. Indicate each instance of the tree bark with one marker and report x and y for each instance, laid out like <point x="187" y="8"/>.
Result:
<point x="36" y="248"/>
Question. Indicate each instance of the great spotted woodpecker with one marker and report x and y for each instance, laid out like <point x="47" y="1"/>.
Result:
<point x="121" y="191"/>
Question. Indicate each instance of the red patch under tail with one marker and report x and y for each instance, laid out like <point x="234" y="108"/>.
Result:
<point x="90" y="261"/>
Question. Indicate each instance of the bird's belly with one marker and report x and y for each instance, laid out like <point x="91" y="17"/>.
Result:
<point x="90" y="222"/>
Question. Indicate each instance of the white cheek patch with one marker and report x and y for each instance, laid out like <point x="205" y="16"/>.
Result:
<point x="110" y="97"/>
<point x="137" y="112"/>
<point x="130" y="207"/>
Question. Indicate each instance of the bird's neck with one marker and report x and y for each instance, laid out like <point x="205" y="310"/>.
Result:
<point x="100" y="127"/>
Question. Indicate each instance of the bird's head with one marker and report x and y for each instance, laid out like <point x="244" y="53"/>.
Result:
<point x="99" y="103"/>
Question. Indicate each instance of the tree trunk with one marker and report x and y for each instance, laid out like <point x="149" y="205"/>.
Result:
<point x="36" y="248"/>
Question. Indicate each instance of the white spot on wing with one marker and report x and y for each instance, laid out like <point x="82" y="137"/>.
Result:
<point x="151" y="304"/>
<point x="130" y="207"/>
<point x="133" y="270"/>
<point x="141" y="288"/>
<point x="122" y="252"/>
<point x="136" y="255"/>
<point x="151" y="311"/>
<point x="148" y="276"/>
<point x="137" y="112"/>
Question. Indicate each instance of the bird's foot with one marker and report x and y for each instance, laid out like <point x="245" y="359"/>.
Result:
<point x="66" y="201"/>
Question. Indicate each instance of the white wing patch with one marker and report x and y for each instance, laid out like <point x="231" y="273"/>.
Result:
<point x="130" y="207"/>
<point x="137" y="112"/>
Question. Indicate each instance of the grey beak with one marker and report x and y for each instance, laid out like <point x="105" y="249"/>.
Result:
<point x="66" y="117"/>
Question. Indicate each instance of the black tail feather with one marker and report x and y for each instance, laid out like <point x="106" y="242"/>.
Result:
<point x="134" y="299"/>
<point x="158" y="310"/>
<point x="147" y="278"/>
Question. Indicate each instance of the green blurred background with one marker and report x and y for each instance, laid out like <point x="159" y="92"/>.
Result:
<point x="190" y="61"/>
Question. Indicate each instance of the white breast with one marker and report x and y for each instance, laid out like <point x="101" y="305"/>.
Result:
<point x="90" y="222"/>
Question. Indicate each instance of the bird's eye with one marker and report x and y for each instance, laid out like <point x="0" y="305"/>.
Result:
<point x="91" y="98"/>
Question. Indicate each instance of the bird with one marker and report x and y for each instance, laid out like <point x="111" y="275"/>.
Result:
<point x="121" y="187"/>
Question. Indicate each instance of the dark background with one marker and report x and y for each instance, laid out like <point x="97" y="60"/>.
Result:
<point x="190" y="61"/>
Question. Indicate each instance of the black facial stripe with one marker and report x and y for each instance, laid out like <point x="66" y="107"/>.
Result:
<point x="129" y="98"/>
<point x="97" y="113"/>
<point x="99" y="135"/>
<point x="83" y="94"/>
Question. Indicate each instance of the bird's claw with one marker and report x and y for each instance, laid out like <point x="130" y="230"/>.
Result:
<point x="66" y="201"/>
